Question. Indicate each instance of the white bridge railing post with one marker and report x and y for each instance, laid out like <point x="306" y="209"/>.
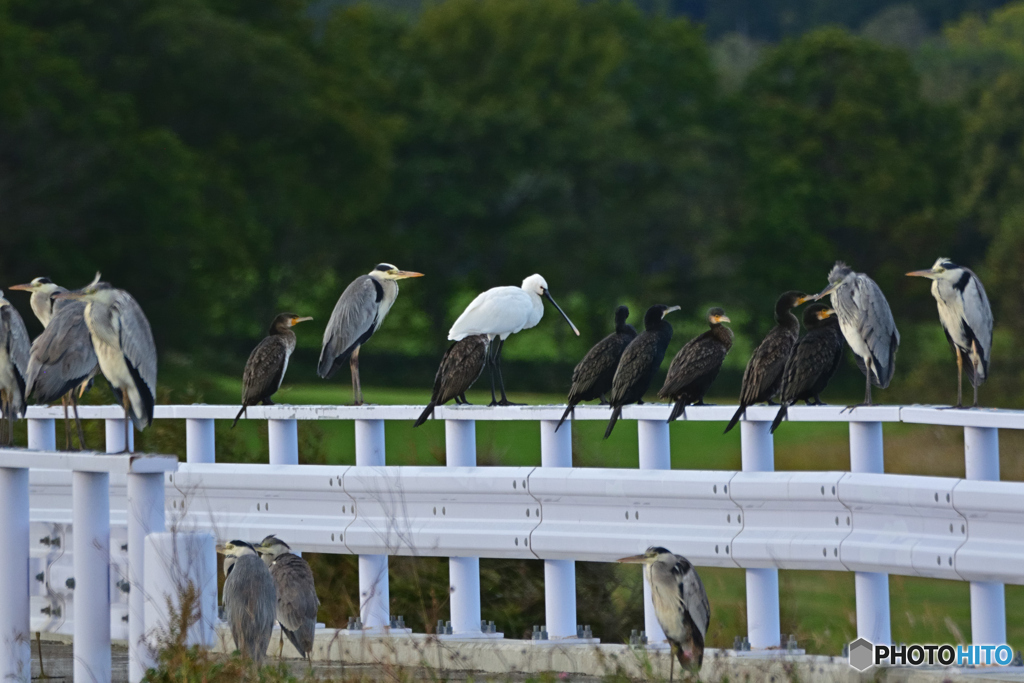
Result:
<point x="115" y="435"/>
<point x="42" y="434"/>
<point x="655" y="454"/>
<point x="200" y="441"/>
<point x="763" y="626"/>
<point x="559" y="575"/>
<point x="145" y="516"/>
<point x="15" y="652"/>
<point x="91" y="519"/>
<point x="374" y="597"/>
<point x="867" y="455"/>
<point x="283" y="440"/>
<point x="463" y="572"/>
<point x="988" y="599"/>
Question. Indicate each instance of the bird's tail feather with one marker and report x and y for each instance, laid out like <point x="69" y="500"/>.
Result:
<point x="427" y="412"/>
<point x="736" y="417"/>
<point x="571" y="408"/>
<point x="237" y="417"/>
<point x="611" y="423"/>
<point x="779" y="417"/>
<point x="678" y="409"/>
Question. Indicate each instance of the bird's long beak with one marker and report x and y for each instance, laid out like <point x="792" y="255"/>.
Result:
<point x="221" y="548"/>
<point x="633" y="559"/>
<point x="670" y="309"/>
<point x="296" y="321"/>
<point x="555" y="304"/>
<point x="823" y="293"/>
<point x="724" y="319"/>
<point x="403" y="274"/>
<point x="22" y="288"/>
<point x="914" y="273"/>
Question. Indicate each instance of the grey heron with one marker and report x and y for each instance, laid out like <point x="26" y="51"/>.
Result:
<point x="592" y="376"/>
<point x="966" y="319"/>
<point x="297" y="603"/>
<point x="763" y="374"/>
<point x="41" y="300"/>
<point x="866" y="322"/>
<point x="814" y="361"/>
<point x="697" y="365"/>
<point x="639" y="362"/>
<point x="500" y="312"/>
<point x="268" y="362"/>
<point x="680" y="602"/>
<point x="461" y="366"/>
<point x="360" y="310"/>
<point x="250" y="599"/>
<point x="124" y="346"/>
<point x="14" y="349"/>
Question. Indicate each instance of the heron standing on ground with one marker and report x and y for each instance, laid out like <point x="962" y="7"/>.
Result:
<point x="264" y="371"/>
<point x="123" y="342"/>
<point x="763" y="374"/>
<point x="360" y="310"/>
<point x="297" y="603"/>
<point x="639" y="362"/>
<point x="250" y="600"/>
<point x="14" y="350"/>
<point x="680" y="603"/>
<point x="592" y="377"/>
<point x="966" y="319"/>
<point x="500" y="312"/>
<point x="41" y="301"/>
<point x="461" y="366"/>
<point x="866" y="322"/>
<point x="814" y="360"/>
<point x="697" y="365"/>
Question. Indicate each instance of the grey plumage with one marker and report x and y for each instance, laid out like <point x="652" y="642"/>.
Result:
<point x="14" y="351"/>
<point x="297" y="602"/>
<point x="866" y="322"/>
<point x="62" y="357"/>
<point x="264" y="371"/>
<point x="250" y="599"/>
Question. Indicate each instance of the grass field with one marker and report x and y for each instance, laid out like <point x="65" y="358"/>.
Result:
<point x="817" y="606"/>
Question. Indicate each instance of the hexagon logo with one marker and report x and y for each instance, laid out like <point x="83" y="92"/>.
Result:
<point x="862" y="654"/>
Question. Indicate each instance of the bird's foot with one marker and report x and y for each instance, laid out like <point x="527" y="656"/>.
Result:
<point x="494" y="402"/>
<point x="506" y="402"/>
<point x="771" y="402"/>
<point x="854" y="407"/>
<point x="640" y="403"/>
<point x="959" y="406"/>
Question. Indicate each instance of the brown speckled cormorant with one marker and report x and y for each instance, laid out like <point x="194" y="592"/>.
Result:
<point x="763" y="375"/>
<point x="592" y="378"/>
<point x="697" y="364"/>
<point x="460" y="367"/>
<point x="640" y="361"/>
<point x="814" y="361"/>
<point x="268" y="362"/>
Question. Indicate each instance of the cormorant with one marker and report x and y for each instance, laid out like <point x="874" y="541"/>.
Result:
<point x="460" y="367"/>
<point x="264" y="371"/>
<point x="697" y="364"/>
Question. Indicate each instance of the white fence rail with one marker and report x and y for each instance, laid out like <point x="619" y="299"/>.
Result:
<point x="863" y="520"/>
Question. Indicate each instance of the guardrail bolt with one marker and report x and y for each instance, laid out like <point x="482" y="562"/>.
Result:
<point x="401" y="621"/>
<point x="70" y="583"/>
<point x="746" y="644"/>
<point x="40" y="577"/>
<point x="440" y="627"/>
<point x="846" y="650"/>
<point x="643" y="636"/>
<point x="737" y="643"/>
<point x="124" y="586"/>
<point x="536" y="633"/>
<point x="791" y="644"/>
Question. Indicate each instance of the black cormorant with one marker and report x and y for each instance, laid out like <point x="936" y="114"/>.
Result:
<point x="697" y="364"/>
<point x="592" y="378"/>
<point x="460" y="367"/>
<point x="640" y="361"/>
<point x="268" y="362"/>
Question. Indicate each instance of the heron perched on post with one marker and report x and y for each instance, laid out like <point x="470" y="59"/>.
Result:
<point x="41" y="300"/>
<point x="592" y="377"/>
<point x="14" y="350"/>
<point x="814" y="361"/>
<point x="264" y="371"/>
<point x="763" y="374"/>
<point x="866" y="322"/>
<point x="124" y="346"/>
<point x="966" y="319"/>
<point x="360" y="310"/>
<point x="639" y="362"/>
<point x="250" y="599"/>
<point x="680" y="603"/>
<point x="697" y="365"/>
<point x="461" y="366"/>
<point x="297" y="603"/>
<point x="500" y="312"/>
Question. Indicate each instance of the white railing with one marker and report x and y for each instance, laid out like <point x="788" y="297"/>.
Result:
<point x="862" y="521"/>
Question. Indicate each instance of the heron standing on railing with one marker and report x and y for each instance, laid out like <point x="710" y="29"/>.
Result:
<point x="250" y="599"/>
<point x="639" y="362"/>
<point x="264" y="371"/>
<point x="124" y="346"/>
<point x="763" y="374"/>
<point x="966" y="319"/>
<point x="41" y="300"/>
<point x="866" y="322"/>
<point x="500" y="312"/>
<point x="680" y="603"/>
<point x="814" y="361"/>
<point x="592" y="377"/>
<point x="14" y="349"/>
<point x="297" y="603"/>
<point x="360" y="310"/>
<point x="697" y="365"/>
<point x="461" y="366"/>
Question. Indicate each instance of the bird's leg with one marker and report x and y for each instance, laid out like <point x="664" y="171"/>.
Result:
<point x="603" y="401"/>
<point x="671" y="661"/>
<point x="78" y="422"/>
<point x="127" y="421"/>
<point x="67" y="423"/>
<point x="867" y="388"/>
<point x="490" y="366"/>
<point x="465" y="402"/>
<point x="497" y="364"/>
<point x="280" y="649"/>
<point x="960" y="378"/>
<point x="357" y="389"/>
